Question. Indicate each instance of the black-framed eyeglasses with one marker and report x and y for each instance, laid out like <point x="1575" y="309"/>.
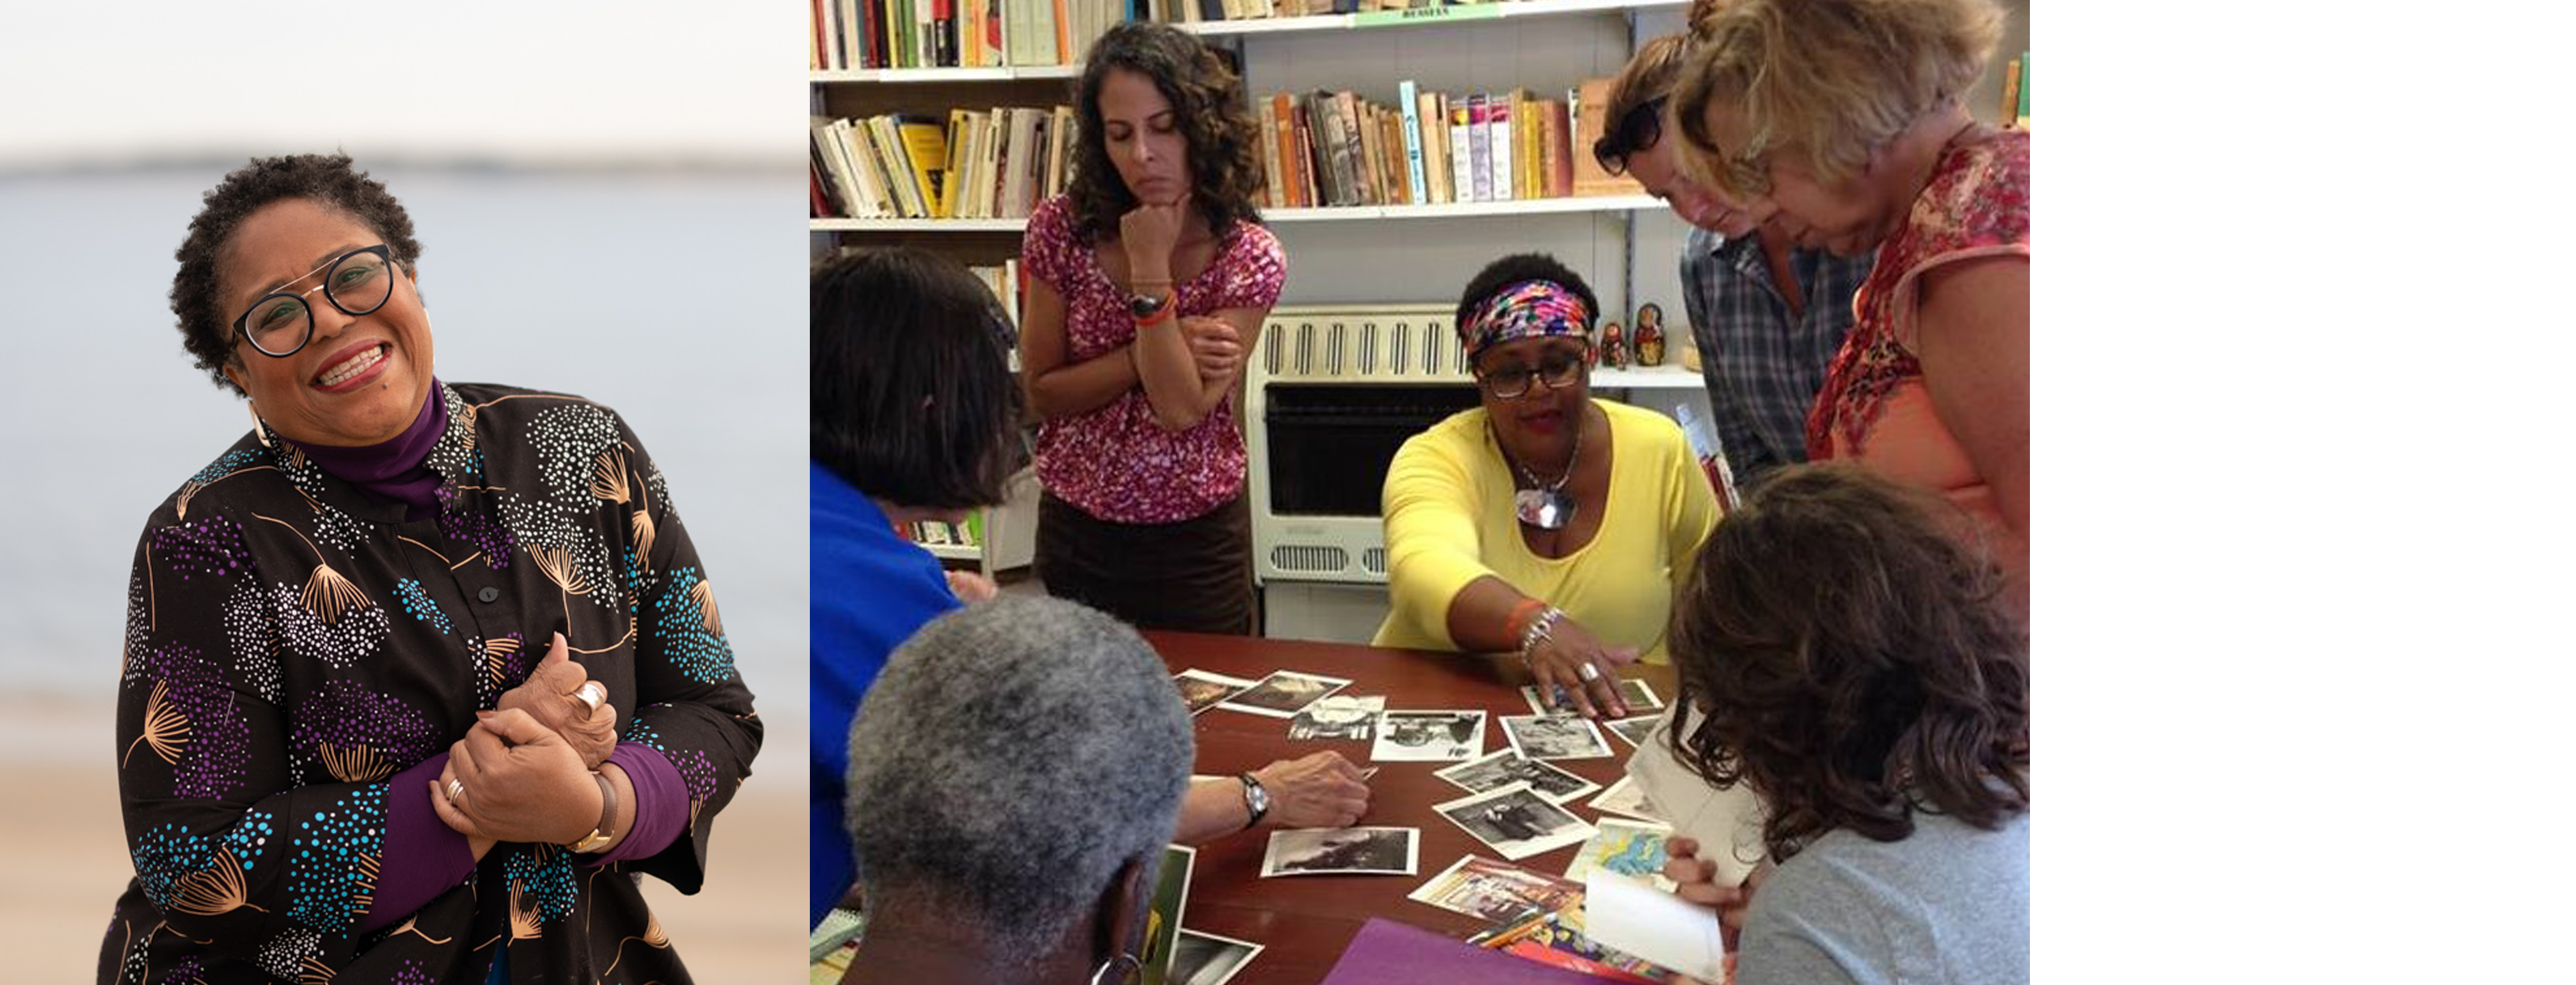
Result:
<point x="1556" y="370"/>
<point x="281" y="322"/>
<point x="1640" y="129"/>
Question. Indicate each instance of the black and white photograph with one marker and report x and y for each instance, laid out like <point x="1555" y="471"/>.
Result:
<point x="1515" y="821"/>
<point x="1284" y="693"/>
<point x="1207" y="959"/>
<point x="1201" y="690"/>
<point x="1341" y="851"/>
<point x="1504" y="767"/>
<point x="1639" y="696"/>
<point x="1429" y="736"/>
<point x="1555" y="737"/>
<point x="1342" y="716"/>
<point x="1634" y="731"/>
<point x="1560" y="706"/>
<point x="1626" y="797"/>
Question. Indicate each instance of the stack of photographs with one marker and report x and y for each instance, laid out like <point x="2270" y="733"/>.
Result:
<point x="1201" y="690"/>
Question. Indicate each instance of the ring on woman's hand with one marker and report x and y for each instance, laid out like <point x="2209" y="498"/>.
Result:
<point x="592" y="693"/>
<point x="455" y="791"/>
<point x="1588" y="672"/>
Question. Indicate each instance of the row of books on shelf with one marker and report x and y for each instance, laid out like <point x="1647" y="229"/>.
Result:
<point x="1339" y="149"/>
<point x="872" y="34"/>
<point x="1318" y="149"/>
<point x="932" y="532"/>
<point x="867" y="34"/>
<point x="982" y="164"/>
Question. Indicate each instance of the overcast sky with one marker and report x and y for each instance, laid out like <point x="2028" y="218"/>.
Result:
<point x="524" y="81"/>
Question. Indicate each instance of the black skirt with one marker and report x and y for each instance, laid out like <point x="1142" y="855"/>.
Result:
<point x="1194" y="575"/>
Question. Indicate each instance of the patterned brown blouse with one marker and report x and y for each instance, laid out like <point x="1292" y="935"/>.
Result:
<point x="298" y="659"/>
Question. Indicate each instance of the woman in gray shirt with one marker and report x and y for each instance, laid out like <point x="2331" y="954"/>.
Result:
<point x="1848" y="656"/>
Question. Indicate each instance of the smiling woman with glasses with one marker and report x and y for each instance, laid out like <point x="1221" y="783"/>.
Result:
<point x="1543" y="522"/>
<point x="412" y="664"/>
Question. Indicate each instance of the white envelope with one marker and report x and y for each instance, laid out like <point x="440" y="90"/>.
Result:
<point x="1652" y="924"/>
<point x="1726" y="823"/>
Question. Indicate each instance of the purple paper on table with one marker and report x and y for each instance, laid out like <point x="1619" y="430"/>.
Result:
<point x="1387" y="952"/>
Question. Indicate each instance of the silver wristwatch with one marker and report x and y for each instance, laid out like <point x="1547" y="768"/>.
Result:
<point x="1255" y="800"/>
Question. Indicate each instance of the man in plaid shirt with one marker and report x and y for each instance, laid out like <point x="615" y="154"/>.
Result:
<point x="1768" y="317"/>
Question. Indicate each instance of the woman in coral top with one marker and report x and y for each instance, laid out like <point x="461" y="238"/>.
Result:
<point x="1841" y="122"/>
<point x="1148" y="280"/>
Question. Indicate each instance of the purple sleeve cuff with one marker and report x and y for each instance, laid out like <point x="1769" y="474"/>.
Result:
<point x="661" y="803"/>
<point x="422" y="857"/>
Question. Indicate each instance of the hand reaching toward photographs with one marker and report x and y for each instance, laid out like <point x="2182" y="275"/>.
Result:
<point x="970" y="587"/>
<point x="1319" y="791"/>
<point x="553" y="695"/>
<point x="516" y="780"/>
<point x="1574" y="661"/>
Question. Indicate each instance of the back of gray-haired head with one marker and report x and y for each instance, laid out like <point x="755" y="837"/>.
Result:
<point x="1010" y="758"/>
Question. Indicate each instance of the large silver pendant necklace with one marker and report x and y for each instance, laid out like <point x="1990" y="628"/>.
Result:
<point x="1546" y="506"/>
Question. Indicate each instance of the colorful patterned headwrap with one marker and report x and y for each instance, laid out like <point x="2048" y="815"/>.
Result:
<point x="1528" y="309"/>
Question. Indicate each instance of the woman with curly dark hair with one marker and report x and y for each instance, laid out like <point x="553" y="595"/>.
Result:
<point x="1845" y="640"/>
<point x="412" y="664"/>
<point x="1148" y="282"/>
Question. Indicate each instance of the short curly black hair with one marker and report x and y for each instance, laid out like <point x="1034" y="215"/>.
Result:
<point x="329" y="179"/>
<point x="1209" y="109"/>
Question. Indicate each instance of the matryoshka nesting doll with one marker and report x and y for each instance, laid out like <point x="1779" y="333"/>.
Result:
<point x="1614" y="346"/>
<point x="1650" y="335"/>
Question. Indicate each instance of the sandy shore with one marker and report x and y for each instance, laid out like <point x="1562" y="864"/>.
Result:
<point x="66" y="858"/>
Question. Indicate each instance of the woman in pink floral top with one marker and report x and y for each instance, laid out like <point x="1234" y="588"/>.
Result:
<point x="1841" y="122"/>
<point x="1148" y="282"/>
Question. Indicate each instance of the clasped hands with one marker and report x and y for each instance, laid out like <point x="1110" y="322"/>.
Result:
<point x="522" y="773"/>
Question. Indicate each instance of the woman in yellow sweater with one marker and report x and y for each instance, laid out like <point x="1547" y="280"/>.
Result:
<point x="1544" y="522"/>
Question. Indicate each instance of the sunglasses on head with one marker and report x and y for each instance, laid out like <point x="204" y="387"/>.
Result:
<point x="1637" y="130"/>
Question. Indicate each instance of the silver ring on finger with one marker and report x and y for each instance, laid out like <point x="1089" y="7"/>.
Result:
<point x="1588" y="671"/>
<point x="592" y="693"/>
<point x="455" y="791"/>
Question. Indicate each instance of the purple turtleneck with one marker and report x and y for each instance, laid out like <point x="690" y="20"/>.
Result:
<point x="395" y="470"/>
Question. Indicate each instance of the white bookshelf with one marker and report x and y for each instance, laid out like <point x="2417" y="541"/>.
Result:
<point x="1460" y="210"/>
<point x="1422" y="16"/>
<point x="935" y="76"/>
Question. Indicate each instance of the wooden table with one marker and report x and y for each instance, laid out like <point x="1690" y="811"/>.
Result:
<point x="1304" y="922"/>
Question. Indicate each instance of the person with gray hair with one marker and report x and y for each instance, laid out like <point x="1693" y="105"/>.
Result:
<point x="1014" y="776"/>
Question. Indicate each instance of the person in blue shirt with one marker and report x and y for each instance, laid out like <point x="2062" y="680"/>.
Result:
<point x="916" y="417"/>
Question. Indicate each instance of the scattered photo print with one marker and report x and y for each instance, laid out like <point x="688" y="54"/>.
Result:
<point x="1628" y="848"/>
<point x="1341" y="851"/>
<point x="1503" y="767"/>
<point x="1496" y="891"/>
<point x="1515" y="821"/>
<point x="1342" y="716"/>
<point x="1207" y="959"/>
<point x="1201" y="690"/>
<point x="1163" y="923"/>
<point x="1634" y="731"/>
<point x="1638" y="696"/>
<point x="1561" y="706"/>
<point x="1428" y="736"/>
<point x="1284" y="693"/>
<point x="1626" y="797"/>
<point x="1556" y="737"/>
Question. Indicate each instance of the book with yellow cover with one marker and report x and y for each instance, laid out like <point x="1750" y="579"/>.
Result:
<point x="926" y="148"/>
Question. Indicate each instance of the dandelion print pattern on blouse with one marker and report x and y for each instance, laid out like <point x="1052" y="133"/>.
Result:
<point x="293" y="646"/>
